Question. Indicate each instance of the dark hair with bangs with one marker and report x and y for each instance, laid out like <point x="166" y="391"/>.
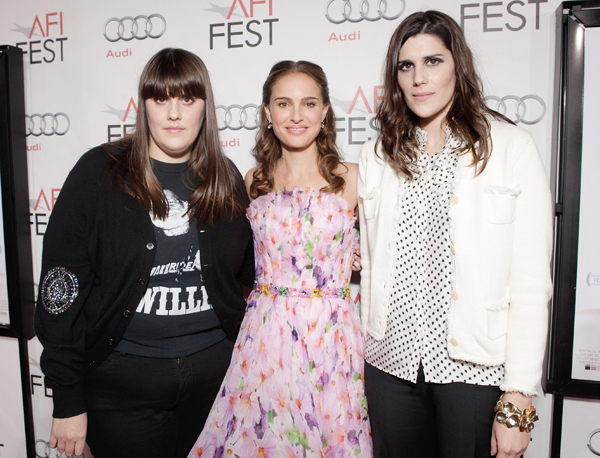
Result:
<point x="467" y="116"/>
<point x="176" y="72"/>
<point x="267" y="150"/>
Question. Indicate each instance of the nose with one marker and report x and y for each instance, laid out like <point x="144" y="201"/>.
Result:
<point x="419" y="76"/>
<point x="297" y="114"/>
<point x="174" y="112"/>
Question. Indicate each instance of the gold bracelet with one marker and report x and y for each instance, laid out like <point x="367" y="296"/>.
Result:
<point x="510" y="416"/>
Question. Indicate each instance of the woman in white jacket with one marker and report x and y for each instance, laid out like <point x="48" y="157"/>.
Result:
<point x="456" y="226"/>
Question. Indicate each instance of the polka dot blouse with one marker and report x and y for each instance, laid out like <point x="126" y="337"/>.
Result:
<point x="423" y="279"/>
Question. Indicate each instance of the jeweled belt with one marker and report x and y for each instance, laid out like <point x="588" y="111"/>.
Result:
<point x="285" y="291"/>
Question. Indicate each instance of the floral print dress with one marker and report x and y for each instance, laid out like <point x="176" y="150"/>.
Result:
<point x="295" y="384"/>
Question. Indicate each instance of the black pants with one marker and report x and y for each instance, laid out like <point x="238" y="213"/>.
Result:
<point x="152" y="407"/>
<point x="428" y="420"/>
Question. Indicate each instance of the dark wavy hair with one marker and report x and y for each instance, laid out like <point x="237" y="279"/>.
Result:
<point x="468" y="114"/>
<point x="215" y="185"/>
<point x="267" y="150"/>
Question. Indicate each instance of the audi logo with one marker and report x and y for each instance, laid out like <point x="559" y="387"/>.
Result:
<point x="589" y="442"/>
<point x="43" y="450"/>
<point x="236" y="117"/>
<point x="525" y="109"/>
<point x="358" y="10"/>
<point x="139" y="27"/>
<point x="47" y="124"/>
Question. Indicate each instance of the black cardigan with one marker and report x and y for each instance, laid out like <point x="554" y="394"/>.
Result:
<point x="106" y="241"/>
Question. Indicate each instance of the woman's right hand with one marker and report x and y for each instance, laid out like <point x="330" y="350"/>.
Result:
<point x="68" y="434"/>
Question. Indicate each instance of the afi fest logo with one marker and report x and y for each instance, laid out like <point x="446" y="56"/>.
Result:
<point x="45" y="38"/>
<point x="340" y="11"/>
<point x="496" y="16"/>
<point x="360" y="122"/>
<point x="255" y="28"/>
<point x="41" y="208"/>
<point x="126" y="120"/>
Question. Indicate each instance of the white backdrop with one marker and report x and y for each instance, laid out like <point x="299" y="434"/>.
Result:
<point x="83" y="60"/>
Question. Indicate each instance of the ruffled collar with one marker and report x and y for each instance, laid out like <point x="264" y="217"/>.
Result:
<point x="452" y="141"/>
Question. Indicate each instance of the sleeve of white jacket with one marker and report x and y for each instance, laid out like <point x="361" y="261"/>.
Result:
<point x="365" y="257"/>
<point x="530" y="278"/>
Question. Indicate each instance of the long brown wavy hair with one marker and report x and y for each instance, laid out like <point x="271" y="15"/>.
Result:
<point x="468" y="113"/>
<point x="215" y="185"/>
<point x="267" y="150"/>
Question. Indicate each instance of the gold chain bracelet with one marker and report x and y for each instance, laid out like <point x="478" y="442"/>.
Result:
<point x="511" y="416"/>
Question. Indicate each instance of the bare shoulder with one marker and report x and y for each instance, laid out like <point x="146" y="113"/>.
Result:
<point x="249" y="178"/>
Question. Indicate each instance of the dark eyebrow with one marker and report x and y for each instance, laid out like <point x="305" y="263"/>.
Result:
<point x="288" y="98"/>
<point x="436" y="56"/>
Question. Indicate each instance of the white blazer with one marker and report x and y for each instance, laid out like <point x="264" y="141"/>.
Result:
<point x="501" y="224"/>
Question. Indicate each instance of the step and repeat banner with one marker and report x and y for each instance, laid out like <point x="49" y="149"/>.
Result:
<point x="83" y="61"/>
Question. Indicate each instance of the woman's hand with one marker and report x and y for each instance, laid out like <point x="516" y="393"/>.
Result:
<point x="68" y="434"/>
<point x="511" y="442"/>
<point x="356" y="255"/>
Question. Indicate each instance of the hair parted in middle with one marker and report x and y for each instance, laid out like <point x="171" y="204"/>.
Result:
<point x="267" y="150"/>
<point x="468" y="113"/>
<point x="174" y="72"/>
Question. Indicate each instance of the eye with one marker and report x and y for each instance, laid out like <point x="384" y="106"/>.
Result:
<point x="310" y="104"/>
<point x="282" y="104"/>
<point x="188" y="100"/>
<point x="160" y="100"/>
<point x="434" y="61"/>
<point x="405" y="66"/>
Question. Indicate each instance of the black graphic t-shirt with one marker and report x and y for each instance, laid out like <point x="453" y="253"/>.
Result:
<point x="175" y="317"/>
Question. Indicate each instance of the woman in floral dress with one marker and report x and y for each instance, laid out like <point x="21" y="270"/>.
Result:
<point x="295" y="385"/>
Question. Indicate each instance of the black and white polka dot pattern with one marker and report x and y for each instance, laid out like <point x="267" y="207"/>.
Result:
<point x="423" y="280"/>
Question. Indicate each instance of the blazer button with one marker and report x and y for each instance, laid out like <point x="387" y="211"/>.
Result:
<point x="92" y="363"/>
<point x="455" y="295"/>
<point x="142" y="281"/>
<point x="111" y="342"/>
<point x="127" y="313"/>
<point x="452" y="249"/>
<point x="453" y="341"/>
<point x="454" y="200"/>
<point x="150" y="246"/>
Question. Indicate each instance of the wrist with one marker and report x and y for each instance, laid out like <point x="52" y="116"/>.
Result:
<point x="512" y="416"/>
<point x="518" y="399"/>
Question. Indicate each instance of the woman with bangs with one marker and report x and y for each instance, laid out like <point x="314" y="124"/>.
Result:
<point x="141" y="291"/>
<point x="456" y="243"/>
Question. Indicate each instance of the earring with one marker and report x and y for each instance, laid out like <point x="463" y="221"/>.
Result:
<point x="323" y="124"/>
<point x="270" y="125"/>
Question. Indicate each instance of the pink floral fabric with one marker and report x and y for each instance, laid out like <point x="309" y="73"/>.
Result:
<point x="295" y="384"/>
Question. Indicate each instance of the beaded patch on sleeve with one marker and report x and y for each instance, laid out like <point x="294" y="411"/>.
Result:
<point x="59" y="289"/>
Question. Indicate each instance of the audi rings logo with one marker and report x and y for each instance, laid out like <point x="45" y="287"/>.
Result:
<point x="529" y="109"/>
<point x="139" y="27"/>
<point x="340" y="11"/>
<point x="43" y="450"/>
<point x="595" y="450"/>
<point x="47" y="124"/>
<point x="236" y="117"/>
